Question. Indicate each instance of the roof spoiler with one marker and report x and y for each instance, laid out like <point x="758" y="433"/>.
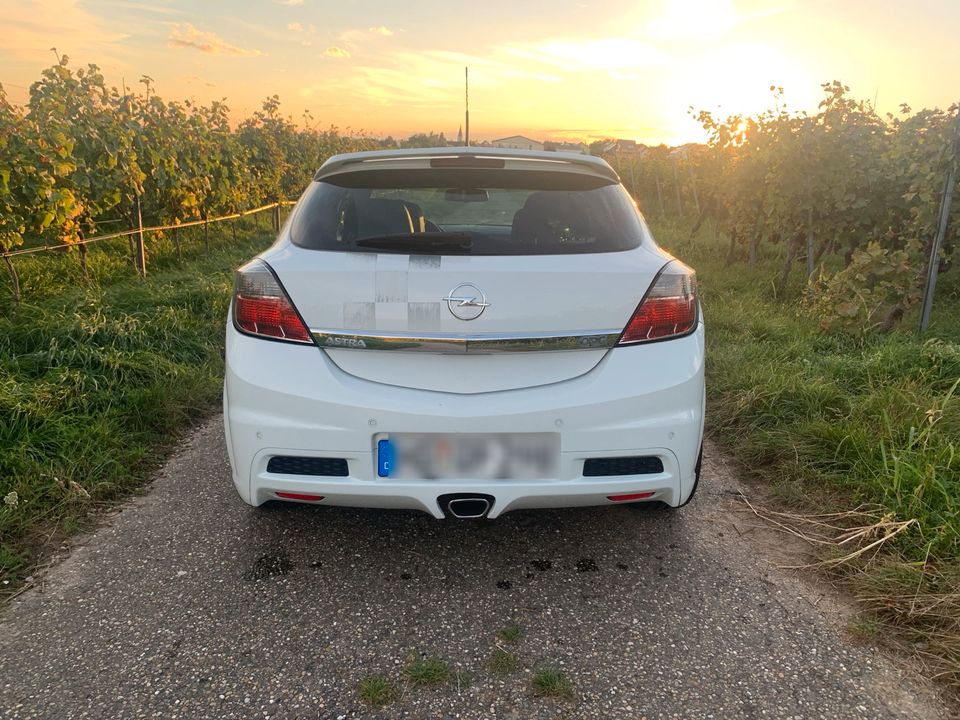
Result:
<point x="463" y="157"/>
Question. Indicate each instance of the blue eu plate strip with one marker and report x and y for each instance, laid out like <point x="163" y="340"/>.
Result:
<point x="384" y="458"/>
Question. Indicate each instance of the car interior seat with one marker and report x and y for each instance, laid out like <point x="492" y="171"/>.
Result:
<point x="549" y="221"/>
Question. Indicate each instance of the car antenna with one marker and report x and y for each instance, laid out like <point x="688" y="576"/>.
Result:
<point x="466" y="95"/>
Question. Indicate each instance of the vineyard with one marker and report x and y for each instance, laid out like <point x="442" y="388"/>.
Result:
<point x="864" y="200"/>
<point x="83" y="160"/>
<point x="817" y="238"/>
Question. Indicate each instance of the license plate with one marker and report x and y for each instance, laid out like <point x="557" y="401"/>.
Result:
<point x="481" y="456"/>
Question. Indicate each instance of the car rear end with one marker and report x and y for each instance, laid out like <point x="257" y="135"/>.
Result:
<point x="464" y="334"/>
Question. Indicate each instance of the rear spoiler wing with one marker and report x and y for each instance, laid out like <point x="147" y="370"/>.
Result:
<point x="467" y="157"/>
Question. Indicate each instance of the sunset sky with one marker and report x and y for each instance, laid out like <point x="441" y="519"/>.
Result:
<point x="543" y="68"/>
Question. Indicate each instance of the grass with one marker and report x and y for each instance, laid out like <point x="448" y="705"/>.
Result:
<point x="510" y="633"/>
<point x="550" y="682"/>
<point x="99" y="377"/>
<point x="377" y="690"/>
<point x="427" y="671"/>
<point x="502" y="662"/>
<point x="834" y="422"/>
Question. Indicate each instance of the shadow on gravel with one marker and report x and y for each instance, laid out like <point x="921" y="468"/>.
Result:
<point x="499" y="554"/>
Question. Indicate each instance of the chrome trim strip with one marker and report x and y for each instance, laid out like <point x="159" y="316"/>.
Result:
<point x="462" y="344"/>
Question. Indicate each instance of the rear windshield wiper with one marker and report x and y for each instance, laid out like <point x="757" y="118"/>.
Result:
<point x="417" y="242"/>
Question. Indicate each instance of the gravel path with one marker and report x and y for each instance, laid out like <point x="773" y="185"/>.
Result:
<point x="188" y="604"/>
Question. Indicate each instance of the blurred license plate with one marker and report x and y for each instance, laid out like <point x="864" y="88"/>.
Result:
<point x="494" y="456"/>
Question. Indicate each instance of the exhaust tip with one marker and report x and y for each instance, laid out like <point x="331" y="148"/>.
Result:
<point x="466" y="506"/>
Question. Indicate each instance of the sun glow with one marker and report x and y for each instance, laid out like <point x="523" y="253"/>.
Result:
<point x="695" y="20"/>
<point x="583" y="70"/>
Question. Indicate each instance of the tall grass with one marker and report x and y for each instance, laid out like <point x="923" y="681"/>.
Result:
<point x="98" y="377"/>
<point x="833" y="422"/>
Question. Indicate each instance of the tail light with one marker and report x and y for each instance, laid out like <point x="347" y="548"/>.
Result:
<point x="669" y="309"/>
<point x="261" y="306"/>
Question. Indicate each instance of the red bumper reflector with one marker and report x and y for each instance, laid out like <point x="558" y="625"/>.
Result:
<point x="631" y="496"/>
<point x="299" y="496"/>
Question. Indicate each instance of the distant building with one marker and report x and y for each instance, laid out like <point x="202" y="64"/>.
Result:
<point x="459" y="141"/>
<point x="557" y="146"/>
<point x="616" y="147"/>
<point x="683" y="151"/>
<point x="517" y="142"/>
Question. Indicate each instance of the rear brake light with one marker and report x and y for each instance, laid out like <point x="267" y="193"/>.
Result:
<point x="669" y="309"/>
<point x="262" y="308"/>
<point x="467" y="161"/>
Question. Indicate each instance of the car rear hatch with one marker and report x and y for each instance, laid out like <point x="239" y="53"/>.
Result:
<point x="464" y="278"/>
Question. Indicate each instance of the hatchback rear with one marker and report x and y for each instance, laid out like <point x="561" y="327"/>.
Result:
<point x="464" y="332"/>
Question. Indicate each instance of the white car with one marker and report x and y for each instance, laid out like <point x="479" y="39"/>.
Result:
<point x="465" y="331"/>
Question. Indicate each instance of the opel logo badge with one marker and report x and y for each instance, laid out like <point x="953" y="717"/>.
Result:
<point x="466" y="302"/>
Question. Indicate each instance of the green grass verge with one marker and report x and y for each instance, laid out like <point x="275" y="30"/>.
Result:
<point x="98" y="377"/>
<point x="833" y="422"/>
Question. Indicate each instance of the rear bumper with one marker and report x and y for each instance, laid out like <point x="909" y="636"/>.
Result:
<point x="282" y="399"/>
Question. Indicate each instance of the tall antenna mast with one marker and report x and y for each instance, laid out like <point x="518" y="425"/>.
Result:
<point x="466" y="88"/>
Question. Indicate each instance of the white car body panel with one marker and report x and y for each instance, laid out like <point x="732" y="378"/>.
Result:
<point x="639" y="400"/>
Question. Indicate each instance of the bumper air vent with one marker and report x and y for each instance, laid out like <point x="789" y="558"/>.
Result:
<point x="637" y="465"/>
<point x="317" y="466"/>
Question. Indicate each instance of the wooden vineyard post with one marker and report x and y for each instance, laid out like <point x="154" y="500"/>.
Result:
<point x="82" y="249"/>
<point x="15" y="281"/>
<point x="656" y="175"/>
<point x="933" y="265"/>
<point x="676" y="186"/>
<point x="693" y="187"/>
<point x="141" y="256"/>
<point x="176" y="244"/>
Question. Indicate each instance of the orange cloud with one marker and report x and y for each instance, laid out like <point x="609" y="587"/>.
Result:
<point x="186" y="35"/>
<point x="336" y="52"/>
<point x="381" y="30"/>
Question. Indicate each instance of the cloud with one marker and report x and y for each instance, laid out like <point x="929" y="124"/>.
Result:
<point x="31" y="27"/>
<point x="336" y="52"/>
<point x="295" y="27"/>
<point x="385" y="80"/>
<point x="197" y="80"/>
<point x="186" y="35"/>
<point x="613" y="54"/>
<point x="381" y="30"/>
<point x="291" y="3"/>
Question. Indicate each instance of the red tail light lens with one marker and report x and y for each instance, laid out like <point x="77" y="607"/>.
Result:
<point x="630" y="496"/>
<point x="262" y="308"/>
<point x="670" y="308"/>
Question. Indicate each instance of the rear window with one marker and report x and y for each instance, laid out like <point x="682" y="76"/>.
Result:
<point x="458" y="212"/>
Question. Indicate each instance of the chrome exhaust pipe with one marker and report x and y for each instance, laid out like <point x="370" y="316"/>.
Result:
<point x="466" y="506"/>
